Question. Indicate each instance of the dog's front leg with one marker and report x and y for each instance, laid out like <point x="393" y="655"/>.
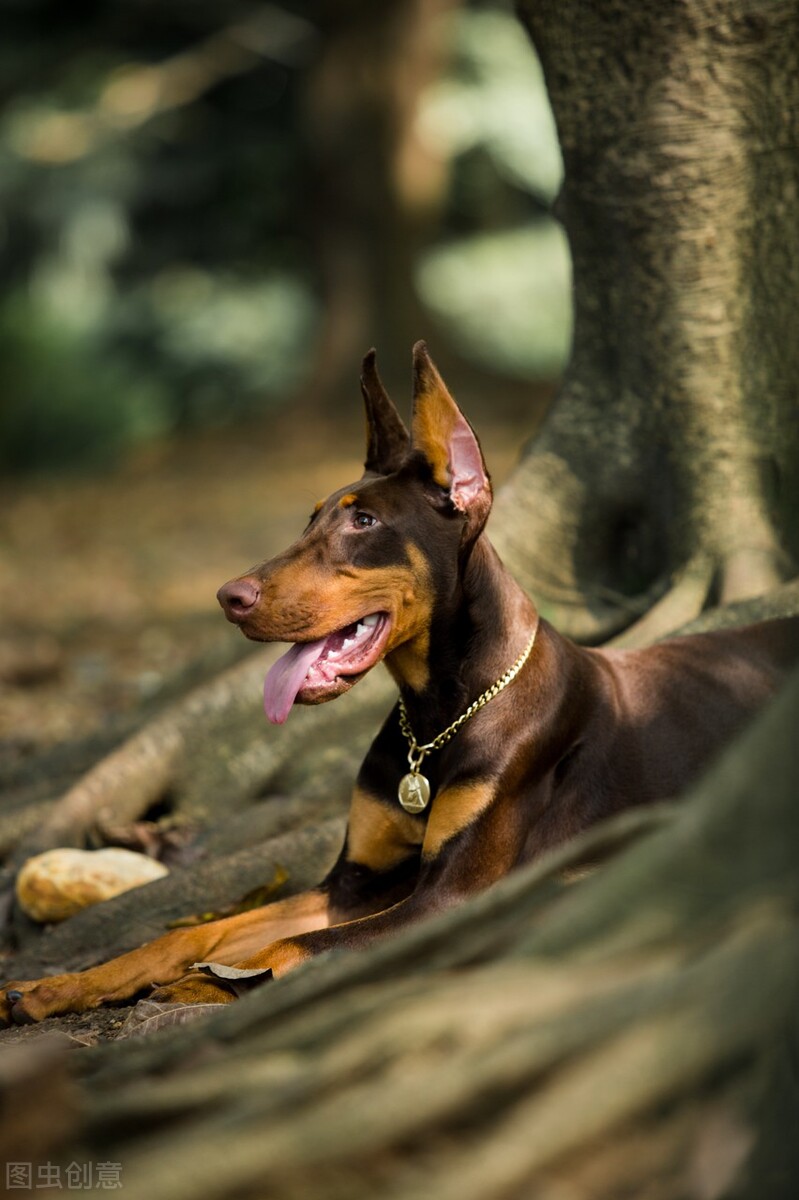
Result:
<point x="473" y="837"/>
<point x="377" y="865"/>
<point x="163" y="960"/>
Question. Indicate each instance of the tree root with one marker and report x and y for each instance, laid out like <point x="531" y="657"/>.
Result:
<point x="213" y="747"/>
<point x="526" y="1059"/>
<point x="683" y="609"/>
<point x="590" y="615"/>
<point x="624" y="1027"/>
<point x="685" y="600"/>
<point x="750" y="571"/>
<point x="782" y="602"/>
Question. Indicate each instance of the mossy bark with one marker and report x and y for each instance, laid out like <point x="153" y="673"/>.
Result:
<point x="675" y="435"/>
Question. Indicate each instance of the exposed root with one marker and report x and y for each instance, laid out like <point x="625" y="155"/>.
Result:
<point x="750" y="571"/>
<point x="591" y="615"/>
<point x="122" y="785"/>
<point x="683" y="602"/>
<point x="213" y="747"/>
<point x="749" y="585"/>
<point x="464" y="1057"/>
<point x="782" y="602"/>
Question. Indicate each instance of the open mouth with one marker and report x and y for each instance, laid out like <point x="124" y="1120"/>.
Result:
<point x="315" y="671"/>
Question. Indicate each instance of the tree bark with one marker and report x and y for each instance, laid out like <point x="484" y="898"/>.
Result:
<point x="675" y="436"/>
<point x="620" y="1037"/>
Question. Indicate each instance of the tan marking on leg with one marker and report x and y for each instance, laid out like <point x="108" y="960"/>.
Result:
<point x="248" y="932"/>
<point x="452" y="810"/>
<point x="196" y="987"/>
<point x="169" y="957"/>
<point x="281" y="957"/>
<point x="378" y="836"/>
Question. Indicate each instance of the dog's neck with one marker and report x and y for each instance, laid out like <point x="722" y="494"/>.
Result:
<point x="477" y="633"/>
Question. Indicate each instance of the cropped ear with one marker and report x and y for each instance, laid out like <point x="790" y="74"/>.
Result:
<point x="387" y="439"/>
<point x="448" y="443"/>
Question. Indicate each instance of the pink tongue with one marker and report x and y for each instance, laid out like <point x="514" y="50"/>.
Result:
<point x="285" y="679"/>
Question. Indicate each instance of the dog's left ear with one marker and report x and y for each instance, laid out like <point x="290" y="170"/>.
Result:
<point x="387" y="439"/>
<point x="448" y="443"/>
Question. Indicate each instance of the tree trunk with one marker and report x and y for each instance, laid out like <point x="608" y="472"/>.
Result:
<point x="675" y="438"/>
<point x="376" y="190"/>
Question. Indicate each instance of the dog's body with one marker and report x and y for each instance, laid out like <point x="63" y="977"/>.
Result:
<point x="397" y="567"/>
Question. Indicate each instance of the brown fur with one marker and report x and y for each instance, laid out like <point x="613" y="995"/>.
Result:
<point x="580" y="734"/>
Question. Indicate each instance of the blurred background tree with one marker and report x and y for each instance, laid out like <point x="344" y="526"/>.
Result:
<point x="208" y="210"/>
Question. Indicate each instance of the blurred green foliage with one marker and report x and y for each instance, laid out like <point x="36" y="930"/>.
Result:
<point x="157" y="266"/>
<point x="502" y="288"/>
<point x="67" y="401"/>
<point x="493" y="97"/>
<point x="496" y="308"/>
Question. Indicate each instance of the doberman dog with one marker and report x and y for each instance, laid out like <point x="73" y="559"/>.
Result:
<point x="507" y="739"/>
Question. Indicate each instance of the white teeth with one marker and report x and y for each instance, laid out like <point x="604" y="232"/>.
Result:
<point x="360" y="630"/>
<point x="370" y="620"/>
<point x="345" y="645"/>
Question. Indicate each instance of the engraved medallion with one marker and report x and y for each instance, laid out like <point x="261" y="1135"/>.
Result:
<point x="414" y="788"/>
<point x="414" y="792"/>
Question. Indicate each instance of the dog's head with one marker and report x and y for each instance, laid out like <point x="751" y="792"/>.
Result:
<point x="378" y="558"/>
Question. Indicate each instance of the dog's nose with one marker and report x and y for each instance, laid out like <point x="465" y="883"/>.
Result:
<point x="238" y="598"/>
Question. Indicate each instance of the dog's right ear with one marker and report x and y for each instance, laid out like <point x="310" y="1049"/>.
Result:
<point x="449" y="445"/>
<point x="387" y="439"/>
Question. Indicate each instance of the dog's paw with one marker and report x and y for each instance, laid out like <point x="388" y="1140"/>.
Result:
<point x="25" y="1002"/>
<point x="197" y="987"/>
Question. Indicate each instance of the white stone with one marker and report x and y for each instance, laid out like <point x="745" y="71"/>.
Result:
<point x="58" y="883"/>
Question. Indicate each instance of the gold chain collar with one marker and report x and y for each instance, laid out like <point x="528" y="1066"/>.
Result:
<point x="414" y="788"/>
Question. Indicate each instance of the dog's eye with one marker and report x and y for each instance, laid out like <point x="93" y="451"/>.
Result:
<point x="363" y="520"/>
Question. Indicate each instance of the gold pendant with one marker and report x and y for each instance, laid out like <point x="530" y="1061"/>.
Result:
<point x="414" y="792"/>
